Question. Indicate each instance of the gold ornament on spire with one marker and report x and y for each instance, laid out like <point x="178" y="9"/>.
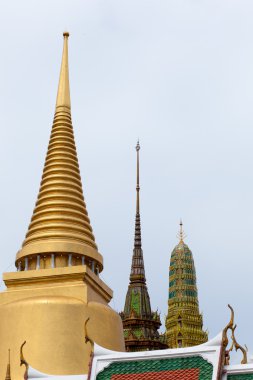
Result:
<point x="60" y="225"/>
<point x="63" y="95"/>
<point x="181" y="235"/>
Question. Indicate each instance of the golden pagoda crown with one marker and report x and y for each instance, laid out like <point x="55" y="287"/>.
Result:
<point x="60" y="225"/>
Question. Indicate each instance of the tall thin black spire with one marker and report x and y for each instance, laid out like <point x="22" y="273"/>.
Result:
<point x="140" y="323"/>
<point x="137" y="269"/>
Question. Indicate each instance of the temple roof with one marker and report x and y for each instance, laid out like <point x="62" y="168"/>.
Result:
<point x="191" y="363"/>
<point x="208" y="361"/>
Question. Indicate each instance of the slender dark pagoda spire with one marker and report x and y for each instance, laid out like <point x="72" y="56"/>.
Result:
<point x="137" y="269"/>
<point x="137" y="236"/>
<point x="139" y="322"/>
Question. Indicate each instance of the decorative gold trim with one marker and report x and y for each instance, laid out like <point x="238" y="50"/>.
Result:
<point x="235" y="344"/>
<point x="239" y="347"/>
<point x="23" y="361"/>
<point x="87" y="338"/>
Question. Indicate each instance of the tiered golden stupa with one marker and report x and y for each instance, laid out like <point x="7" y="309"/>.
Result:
<point x="57" y="285"/>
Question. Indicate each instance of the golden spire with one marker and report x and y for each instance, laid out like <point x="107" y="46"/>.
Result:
<point x="8" y="371"/>
<point x="63" y="95"/>
<point x="60" y="224"/>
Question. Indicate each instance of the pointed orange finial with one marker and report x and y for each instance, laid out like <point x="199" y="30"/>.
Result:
<point x="63" y="95"/>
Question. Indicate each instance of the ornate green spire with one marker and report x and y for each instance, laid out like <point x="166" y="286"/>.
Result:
<point x="139" y="322"/>
<point x="184" y="322"/>
<point x="137" y="269"/>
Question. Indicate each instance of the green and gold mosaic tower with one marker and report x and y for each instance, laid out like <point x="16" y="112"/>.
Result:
<point x="184" y="324"/>
<point x="140" y="324"/>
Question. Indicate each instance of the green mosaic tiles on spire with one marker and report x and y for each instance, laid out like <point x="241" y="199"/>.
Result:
<point x="184" y="322"/>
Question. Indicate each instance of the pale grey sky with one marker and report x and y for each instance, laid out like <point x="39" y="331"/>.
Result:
<point x="178" y="75"/>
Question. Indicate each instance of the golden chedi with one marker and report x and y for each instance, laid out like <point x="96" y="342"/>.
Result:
<point x="57" y="285"/>
<point x="184" y="323"/>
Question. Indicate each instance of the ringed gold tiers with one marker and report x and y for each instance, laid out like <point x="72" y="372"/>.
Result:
<point x="57" y="287"/>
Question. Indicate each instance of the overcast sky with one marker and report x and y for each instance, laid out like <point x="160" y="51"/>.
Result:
<point x="179" y="76"/>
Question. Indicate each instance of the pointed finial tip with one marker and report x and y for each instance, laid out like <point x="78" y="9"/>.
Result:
<point x="181" y="235"/>
<point x="138" y="146"/>
<point x="66" y="34"/>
